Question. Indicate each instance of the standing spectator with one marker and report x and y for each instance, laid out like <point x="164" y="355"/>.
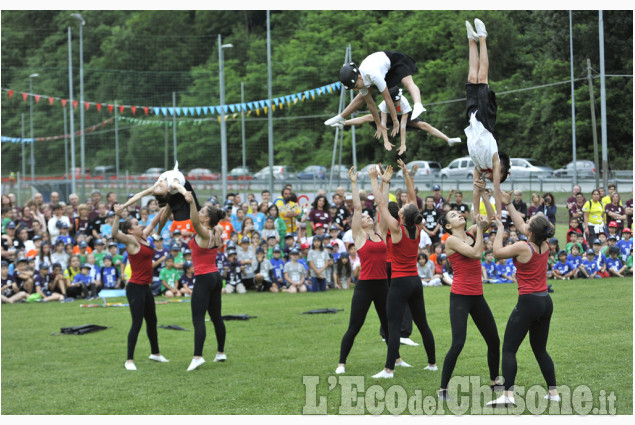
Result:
<point x="575" y="210"/>
<point x="341" y="216"/>
<point x="73" y="202"/>
<point x="458" y="204"/>
<point x="614" y="211"/>
<point x="628" y="209"/>
<point x="431" y="219"/>
<point x="97" y="222"/>
<point x="593" y="216"/>
<point x="548" y="207"/>
<point x="233" y="274"/>
<point x="625" y="244"/>
<point x="318" y="260"/>
<point x="574" y="197"/>
<point x="54" y="230"/>
<point x="279" y="223"/>
<point x="320" y="212"/>
<point x="81" y="223"/>
<point x="289" y="211"/>
<point x="55" y="199"/>
<point x="258" y="215"/>
<point x="519" y="204"/>
<point x="438" y="198"/>
<point x="237" y="220"/>
<point x="533" y="208"/>
<point x="265" y="197"/>
<point x="609" y="197"/>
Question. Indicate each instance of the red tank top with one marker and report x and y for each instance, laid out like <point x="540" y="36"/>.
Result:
<point x="372" y="257"/>
<point x="388" y="248"/>
<point x="404" y="256"/>
<point x="204" y="259"/>
<point x="467" y="275"/>
<point x="532" y="275"/>
<point x="141" y="265"/>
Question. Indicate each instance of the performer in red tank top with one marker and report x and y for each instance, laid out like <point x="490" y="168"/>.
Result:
<point x="466" y="295"/>
<point x="533" y="311"/>
<point x="138" y="290"/>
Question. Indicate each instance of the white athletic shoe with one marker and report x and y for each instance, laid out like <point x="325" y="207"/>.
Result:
<point x="130" y="366"/>
<point x="431" y="368"/>
<point x="454" y="141"/>
<point x="196" y="363"/>
<point x="480" y="28"/>
<point x="158" y="358"/>
<point x="407" y="341"/>
<point x="384" y="374"/>
<point x="220" y="357"/>
<point x="555" y="398"/>
<point x="470" y="31"/>
<point x="337" y="119"/>
<point x="340" y="369"/>
<point x="417" y="110"/>
<point x="502" y="401"/>
<point x="402" y="363"/>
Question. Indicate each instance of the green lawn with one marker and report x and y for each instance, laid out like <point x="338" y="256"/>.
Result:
<point x="591" y="343"/>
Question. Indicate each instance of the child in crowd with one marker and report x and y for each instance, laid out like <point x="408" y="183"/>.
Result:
<point x="343" y="271"/>
<point x="169" y="277"/>
<point x="233" y="274"/>
<point x="295" y="274"/>
<point x="95" y="271"/>
<point x="109" y="274"/>
<point x="504" y="272"/>
<point x="448" y="274"/>
<point x="187" y="280"/>
<point x="576" y="260"/>
<point x="113" y="249"/>
<point x="272" y="243"/>
<point x="49" y="285"/>
<point x="106" y="228"/>
<point x="270" y="230"/>
<point x="59" y="255"/>
<point x="23" y="276"/>
<point x="625" y="244"/>
<point x="318" y="261"/>
<point x="574" y="236"/>
<point x="488" y="268"/>
<point x="563" y="269"/>
<point x="612" y="242"/>
<point x="247" y="258"/>
<point x="589" y="266"/>
<point x="426" y="271"/>
<point x="10" y="292"/>
<point x="613" y="230"/>
<point x="262" y="275"/>
<point x="614" y="265"/>
<point x="277" y="268"/>
<point x="600" y="258"/>
<point x="64" y="236"/>
<point x="328" y="273"/>
<point x="83" y="281"/>
<point x="99" y="252"/>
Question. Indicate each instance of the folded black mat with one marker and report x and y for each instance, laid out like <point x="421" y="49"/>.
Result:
<point x="173" y="327"/>
<point x="238" y="317"/>
<point x="323" y="310"/>
<point x="81" y="330"/>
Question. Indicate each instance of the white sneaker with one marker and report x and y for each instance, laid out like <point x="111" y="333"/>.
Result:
<point x="196" y="363"/>
<point x="502" y="401"/>
<point x="553" y="397"/>
<point x="407" y="341"/>
<point x="454" y="141"/>
<point x="158" y="358"/>
<point x="417" y="110"/>
<point x="480" y="28"/>
<point x="340" y="369"/>
<point x="220" y="357"/>
<point x="402" y="363"/>
<point x="130" y="366"/>
<point x="431" y="368"/>
<point x="337" y="119"/>
<point x="384" y="374"/>
<point x="470" y="31"/>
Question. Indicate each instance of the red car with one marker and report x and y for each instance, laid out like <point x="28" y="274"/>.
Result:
<point x="202" y="174"/>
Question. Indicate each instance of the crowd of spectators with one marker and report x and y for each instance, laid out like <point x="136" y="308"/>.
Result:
<point x="59" y="251"/>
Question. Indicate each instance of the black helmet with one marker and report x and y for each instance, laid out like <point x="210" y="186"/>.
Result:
<point x="395" y="93"/>
<point x="348" y="75"/>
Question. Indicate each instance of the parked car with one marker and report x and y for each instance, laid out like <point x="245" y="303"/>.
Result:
<point x="152" y="173"/>
<point x="103" y="171"/>
<point x="363" y="172"/>
<point x="341" y="169"/>
<point x="460" y="168"/>
<point x="529" y="167"/>
<point x="313" y="172"/>
<point x="78" y="173"/>
<point x="280" y="172"/>
<point x="584" y="168"/>
<point x="240" y="173"/>
<point x="426" y="168"/>
<point x="202" y="174"/>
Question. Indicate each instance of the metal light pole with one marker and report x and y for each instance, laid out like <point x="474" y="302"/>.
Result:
<point x="31" y="119"/>
<point x="72" y="115"/>
<point x="575" y="163"/>
<point x="23" y="155"/>
<point x="82" y="22"/>
<point x="605" y="160"/>
<point x="223" y="133"/>
<point x="270" y="114"/>
<point x="242" y="125"/>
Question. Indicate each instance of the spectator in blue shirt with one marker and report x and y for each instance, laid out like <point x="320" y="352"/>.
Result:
<point x="614" y="265"/>
<point x="109" y="274"/>
<point x="589" y="266"/>
<point x="563" y="269"/>
<point x="600" y="258"/>
<point x="277" y="268"/>
<point x="625" y="244"/>
<point x="85" y="282"/>
<point x="488" y="268"/>
<point x="576" y="260"/>
<point x="49" y="285"/>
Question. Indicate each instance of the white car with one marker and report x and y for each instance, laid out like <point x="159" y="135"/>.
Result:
<point x="426" y="168"/>
<point x="153" y="173"/>
<point x="280" y="172"/>
<point x="529" y="167"/>
<point x="460" y="168"/>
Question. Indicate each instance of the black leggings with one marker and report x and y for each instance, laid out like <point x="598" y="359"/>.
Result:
<point x="365" y="293"/>
<point x="77" y="291"/>
<point x="475" y="306"/>
<point x="141" y="306"/>
<point x="406" y="322"/>
<point x="532" y="314"/>
<point x="407" y="291"/>
<point x="206" y="296"/>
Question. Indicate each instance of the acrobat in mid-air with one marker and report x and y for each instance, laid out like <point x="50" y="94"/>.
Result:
<point x="481" y="116"/>
<point x="404" y="114"/>
<point x="379" y="71"/>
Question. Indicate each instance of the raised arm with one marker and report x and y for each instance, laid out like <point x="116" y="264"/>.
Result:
<point x="457" y="245"/>
<point x="138" y="196"/>
<point x="509" y="251"/>
<point x="410" y="186"/>
<point x="477" y="179"/>
<point x="150" y="227"/>
<point x="356" y="223"/>
<point x="116" y="234"/>
<point x="518" y="220"/>
<point x="496" y="178"/>
<point x="382" y="205"/>
<point x="392" y="110"/>
<point x="201" y="231"/>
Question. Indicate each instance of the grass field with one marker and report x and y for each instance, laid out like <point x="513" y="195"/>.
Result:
<point x="591" y="343"/>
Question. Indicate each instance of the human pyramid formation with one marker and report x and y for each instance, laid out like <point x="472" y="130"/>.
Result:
<point x="393" y="285"/>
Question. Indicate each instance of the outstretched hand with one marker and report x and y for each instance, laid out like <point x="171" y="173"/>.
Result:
<point x="353" y="175"/>
<point x="506" y="197"/>
<point x="373" y="173"/>
<point x="498" y="223"/>
<point x="387" y="174"/>
<point x="395" y="128"/>
<point x="117" y="209"/>
<point x="380" y="130"/>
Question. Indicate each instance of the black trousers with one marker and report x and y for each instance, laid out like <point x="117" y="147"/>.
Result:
<point x="460" y="307"/>
<point x="406" y="322"/>
<point x="141" y="306"/>
<point x="532" y="314"/>
<point x="78" y="291"/>
<point x="365" y="293"/>
<point x="206" y="297"/>
<point x="407" y="291"/>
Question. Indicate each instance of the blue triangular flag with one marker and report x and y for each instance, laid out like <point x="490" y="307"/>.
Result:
<point x="192" y="111"/>
<point x="276" y="100"/>
<point x="262" y="103"/>
<point x="232" y="108"/>
<point x="250" y="105"/>
<point x="198" y="111"/>
<point x="225" y="108"/>
<point x="178" y="111"/>
<point x="165" y="111"/>
<point x="204" y="110"/>
<point x="218" y="111"/>
<point x="157" y="110"/>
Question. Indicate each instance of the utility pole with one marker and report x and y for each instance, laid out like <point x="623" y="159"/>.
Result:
<point x="596" y="159"/>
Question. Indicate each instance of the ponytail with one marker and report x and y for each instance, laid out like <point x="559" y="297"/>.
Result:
<point x="412" y="216"/>
<point x="541" y="228"/>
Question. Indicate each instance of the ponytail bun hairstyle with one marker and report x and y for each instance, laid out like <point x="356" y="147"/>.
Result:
<point x="393" y="209"/>
<point x="541" y="228"/>
<point x="215" y="215"/>
<point x="412" y="216"/>
<point x="127" y="225"/>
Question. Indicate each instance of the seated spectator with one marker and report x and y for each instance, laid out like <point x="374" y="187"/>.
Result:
<point x="59" y="255"/>
<point x="262" y="275"/>
<point x="576" y="260"/>
<point x="574" y="236"/>
<point x="330" y="279"/>
<point x="614" y="265"/>
<point x="50" y="286"/>
<point x="72" y="290"/>
<point x="83" y="283"/>
<point x="187" y="280"/>
<point x="95" y="272"/>
<point x="81" y="250"/>
<point x="343" y="272"/>
<point x="625" y="244"/>
<point x="295" y="274"/>
<point x="448" y="273"/>
<point x="563" y="269"/>
<point x="109" y="274"/>
<point x="23" y="276"/>
<point x="612" y="242"/>
<point x="426" y="271"/>
<point x="289" y="242"/>
<point x="277" y="268"/>
<point x="10" y="292"/>
<point x="600" y="258"/>
<point x="99" y="252"/>
<point x="169" y="277"/>
<point x="270" y="230"/>
<point x="504" y="272"/>
<point x="177" y="239"/>
<point x="234" y="274"/>
<point x="44" y="255"/>
<point x="356" y="264"/>
<point x="272" y="243"/>
<point x="113" y="249"/>
<point x="488" y="268"/>
<point x="589" y="266"/>
<point x="247" y="258"/>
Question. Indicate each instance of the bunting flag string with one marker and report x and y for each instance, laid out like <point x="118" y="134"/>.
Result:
<point x="61" y="136"/>
<point x="256" y="105"/>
